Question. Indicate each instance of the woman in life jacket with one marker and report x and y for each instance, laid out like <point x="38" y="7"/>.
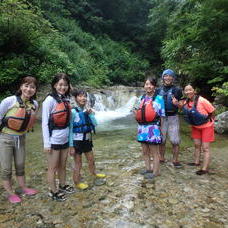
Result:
<point x="148" y="112"/>
<point x="55" y="126"/>
<point x="17" y="116"/>
<point x="199" y="113"/>
<point x="82" y="125"/>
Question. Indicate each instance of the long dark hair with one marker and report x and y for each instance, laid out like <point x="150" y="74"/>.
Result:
<point x="28" y="80"/>
<point x="152" y="80"/>
<point x="57" y="78"/>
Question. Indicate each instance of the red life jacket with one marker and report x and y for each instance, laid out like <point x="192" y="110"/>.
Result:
<point x="22" y="120"/>
<point x="146" y="113"/>
<point x="60" y="118"/>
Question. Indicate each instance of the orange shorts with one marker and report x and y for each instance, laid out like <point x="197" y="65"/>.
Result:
<point x="205" y="134"/>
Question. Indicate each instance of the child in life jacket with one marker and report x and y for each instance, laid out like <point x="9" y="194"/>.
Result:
<point x="199" y="113"/>
<point x="148" y="112"/>
<point x="82" y="124"/>
<point x="17" y="116"/>
<point x="56" y="113"/>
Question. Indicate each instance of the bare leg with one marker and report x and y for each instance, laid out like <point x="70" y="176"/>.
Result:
<point x="154" y="151"/>
<point x="62" y="166"/>
<point x="7" y="184"/>
<point x="77" y="168"/>
<point x="206" y="154"/>
<point x="162" y="152"/>
<point x="146" y="156"/>
<point x="53" y="162"/>
<point x="176" y="149"/>
<point x="91" y="162"/>
<point x="197" y="143"/>
<point x="21" y="181"/>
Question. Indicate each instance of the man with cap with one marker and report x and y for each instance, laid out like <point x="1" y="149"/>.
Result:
<point x="170" y="123"/>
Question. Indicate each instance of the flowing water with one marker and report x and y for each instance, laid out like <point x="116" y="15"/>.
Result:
<point x="177" y="198"/>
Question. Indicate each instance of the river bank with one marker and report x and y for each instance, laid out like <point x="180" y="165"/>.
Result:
<point x="178" y="198"/>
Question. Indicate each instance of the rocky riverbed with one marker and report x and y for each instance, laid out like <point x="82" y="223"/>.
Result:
<point x="177" y="198"/>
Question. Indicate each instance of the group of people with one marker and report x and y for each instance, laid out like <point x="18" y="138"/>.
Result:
<point x="157" y="115"/>
<point x="68" y="130"/>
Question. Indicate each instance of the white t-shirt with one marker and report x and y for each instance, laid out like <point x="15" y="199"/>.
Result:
<point x="59" y="136"/>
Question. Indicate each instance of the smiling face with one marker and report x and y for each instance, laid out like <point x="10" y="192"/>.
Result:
<point x="189" y="91"/>
<point x="28" y="90"/>
<point x="61" y="87"/>
<point x="149" y="87"/>
<point x="81" y="99"/>
<point x="168" y="80"/>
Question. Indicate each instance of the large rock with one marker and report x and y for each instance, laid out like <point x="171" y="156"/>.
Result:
<point x="221" y="123"/>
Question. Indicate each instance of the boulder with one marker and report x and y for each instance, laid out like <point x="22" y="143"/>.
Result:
<point x="221" y="123"/>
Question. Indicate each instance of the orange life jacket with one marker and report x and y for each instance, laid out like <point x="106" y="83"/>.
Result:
<point x="146" y="113"/>
<point x="60" y="118"/>
<point x="22" y="120"/>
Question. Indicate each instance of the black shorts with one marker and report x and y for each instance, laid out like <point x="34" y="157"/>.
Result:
<point x="82" y="146"/>
<point x="59" y="146"/>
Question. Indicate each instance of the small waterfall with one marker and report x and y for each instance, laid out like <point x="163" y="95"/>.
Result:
<point x="110" y="112"/>
<point x="113" y="106"/>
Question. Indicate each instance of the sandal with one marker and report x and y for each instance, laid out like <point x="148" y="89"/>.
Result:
<point x="202" y="172"/>
<point x="143" y="172"/>
<point x="29" y="191"/>
<point x="66" y="189"/>
<point x="57" y="196"/>
<point x="149" y="176"/>
<point x="82" y="186"/>
<point x="177" y="164"/>
<point x="100" y="175"/>
<point x="14" y="198"/>
<point x="193" y="164"/>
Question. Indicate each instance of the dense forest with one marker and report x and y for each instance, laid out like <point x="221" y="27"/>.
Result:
<point x="108" y="42"/>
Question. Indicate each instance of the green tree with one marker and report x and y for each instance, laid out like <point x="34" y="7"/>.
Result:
<point x="196" y="42"/>
<point x="157" y="26"/>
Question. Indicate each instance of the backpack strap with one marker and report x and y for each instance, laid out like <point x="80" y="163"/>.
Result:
<point x="56" y="97"/>
<point x="196" y="101"/>
<point x="20" y="101"/>
<point x="22" y="104"/>
<point x="143" y="96"/>
<point x="153" y="98"/>
<point x="76" y="109"/>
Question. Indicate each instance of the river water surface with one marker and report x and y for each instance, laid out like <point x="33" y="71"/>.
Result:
<point x="177" y="198"/>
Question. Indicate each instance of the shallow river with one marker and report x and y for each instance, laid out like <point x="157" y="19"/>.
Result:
<point x="177" y="198"/>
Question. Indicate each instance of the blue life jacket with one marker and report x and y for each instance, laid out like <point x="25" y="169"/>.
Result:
<point x="193" y="116"/>
<point x="170" y="108"/>
<point x="84" y="125"/>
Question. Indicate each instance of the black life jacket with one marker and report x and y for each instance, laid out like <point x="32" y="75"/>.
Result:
<point x="193" y="116"/>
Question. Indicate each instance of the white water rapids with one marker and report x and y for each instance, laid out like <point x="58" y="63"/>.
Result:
<point x="113" y="110"/>
<point x="105" y="114"/>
